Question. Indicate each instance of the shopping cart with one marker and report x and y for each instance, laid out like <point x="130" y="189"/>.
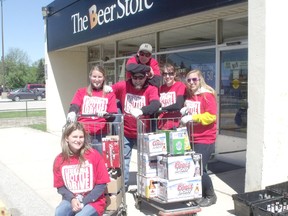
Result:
<point x="168" y="192"/>
<point x="110" y="137"/>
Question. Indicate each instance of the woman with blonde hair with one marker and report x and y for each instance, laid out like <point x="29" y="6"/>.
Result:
<point x="80" y="175"/>
<point x="200" y="107"/>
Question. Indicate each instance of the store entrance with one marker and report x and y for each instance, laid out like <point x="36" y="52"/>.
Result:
<point x="233" y="92"/>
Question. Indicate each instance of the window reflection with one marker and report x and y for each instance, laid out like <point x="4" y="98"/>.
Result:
<point x="233" y="93"/>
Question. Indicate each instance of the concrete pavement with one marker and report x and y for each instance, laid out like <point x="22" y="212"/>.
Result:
<point x="26" y="183"/>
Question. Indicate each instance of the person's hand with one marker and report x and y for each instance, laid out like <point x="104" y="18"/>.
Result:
<point x="101" y="114"/>
<point x="183" y="111"/>
<point x="150" y="73"/>
<point x="71" y="117"/>
<point x="76" y="205"/>
<point x="107" y="89"/>
<point x="136" y="112"/>
<point x="186" y="119"/>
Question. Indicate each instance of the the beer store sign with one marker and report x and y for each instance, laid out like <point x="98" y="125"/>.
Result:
<point x="99" y="16"/>
<point x="75" y="21"/>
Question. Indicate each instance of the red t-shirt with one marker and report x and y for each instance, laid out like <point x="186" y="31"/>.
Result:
<point x="83" y="180"/>
<point x="198" y="104"/>
<point x="132" y="98"/>
<point x="91" y="106"/>
<point x="168" y="96"/>
<point x="153" y="63"/>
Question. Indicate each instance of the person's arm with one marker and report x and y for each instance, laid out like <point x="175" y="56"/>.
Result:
<point x="155" y="81"/>
<point x="152" y="108"/>
<point x="66" y="194"/>
<point x="176" y="106"/>
<point x="94" y="194"/>
<point x="74" y="108"/>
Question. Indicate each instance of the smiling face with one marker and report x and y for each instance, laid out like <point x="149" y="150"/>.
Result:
<point x="193" y="81"/>
<point x="168" y="74"/>
<point x="138" y="80"/>
<point x="144" y="57"/>
<point x="97" y="79"/>
<point x="75" y="141"/>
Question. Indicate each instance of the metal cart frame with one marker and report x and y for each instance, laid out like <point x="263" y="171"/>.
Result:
<point x="166" y="208"/>
<point x="114" y="128"/>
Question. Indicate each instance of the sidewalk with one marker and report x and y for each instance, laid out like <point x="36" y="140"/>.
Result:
<point x="26" y="183"/>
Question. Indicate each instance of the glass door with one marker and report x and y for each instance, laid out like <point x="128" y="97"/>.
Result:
<point x="233" y="92"/>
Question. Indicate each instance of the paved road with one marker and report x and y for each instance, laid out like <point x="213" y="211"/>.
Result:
<point x="8" y="105"/>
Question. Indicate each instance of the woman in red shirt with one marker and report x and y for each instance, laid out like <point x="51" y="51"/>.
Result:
<point x="201" y="108"/>
<point x="80" y="175"/>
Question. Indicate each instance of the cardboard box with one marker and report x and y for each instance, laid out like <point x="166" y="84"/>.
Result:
<point x="176" y="143"/>
<point x="111" y="151"/>
<point x="147" y="186"/>
<point x="154" y="144"/>
<point x="179" y="190"/>
<point x="175" y="167"/>
<point x="187" y="145"/>
<point x="114" y="185"/>
<point x="148" y="165"/>
<point x="113" y="201"/>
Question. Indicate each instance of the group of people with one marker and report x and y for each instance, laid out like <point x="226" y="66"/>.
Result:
<point x="79" y="170"/>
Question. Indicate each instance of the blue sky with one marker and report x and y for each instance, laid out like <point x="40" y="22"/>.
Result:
<point x="24" y="27"/>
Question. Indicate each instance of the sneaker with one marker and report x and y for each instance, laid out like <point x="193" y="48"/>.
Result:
<point x="208" y="201"/>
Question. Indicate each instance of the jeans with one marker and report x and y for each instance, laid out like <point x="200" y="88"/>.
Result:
<point x="206" y="151"/>
<point x="65" y="209"/>
<point x="96" y="141"/>
<point x="128" y="146"/>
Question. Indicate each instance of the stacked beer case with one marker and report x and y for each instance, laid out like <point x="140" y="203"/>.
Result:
<point x="111" y="155"/>
<point x="169" y="171"/>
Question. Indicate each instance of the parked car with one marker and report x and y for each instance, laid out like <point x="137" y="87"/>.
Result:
<point x="24" y="93"/>
<point x="34" y="86"/>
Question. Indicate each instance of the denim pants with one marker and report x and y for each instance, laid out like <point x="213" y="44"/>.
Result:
<point x="96" y="141"/>
<point x="128" y="146"/>
<point x="206" y="151"/>
<point x="65" y="209"/>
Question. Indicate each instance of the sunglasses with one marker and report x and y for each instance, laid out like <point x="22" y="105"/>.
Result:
<point x="138" y="77"/>
<point x="168" y="74"/>
<point x="145" y="54"/>
<point x="192" y="80"/>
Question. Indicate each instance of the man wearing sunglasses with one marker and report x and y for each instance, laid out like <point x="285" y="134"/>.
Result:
<point x="144" y="57"/>
<point x="137" y="99"/>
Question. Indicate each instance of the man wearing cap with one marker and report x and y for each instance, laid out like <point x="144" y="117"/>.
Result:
<point x="137" y="99"/>
<point x="144" y="57"/>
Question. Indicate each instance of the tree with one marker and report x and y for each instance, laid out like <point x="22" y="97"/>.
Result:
<point x="18" y="72"/>
<point x="40" y="71"/>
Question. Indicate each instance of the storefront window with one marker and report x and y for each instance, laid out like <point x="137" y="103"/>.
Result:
<point x="188" y="36"/>
<point x="129" y="47"/>
<point x="94" y="53"/>
<point x="233" y="92"/>
<point x="189" y="60"/>
<point x="235" y="29"/>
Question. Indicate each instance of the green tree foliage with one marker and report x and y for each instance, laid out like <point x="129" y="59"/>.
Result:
<point x="18" y="71"/>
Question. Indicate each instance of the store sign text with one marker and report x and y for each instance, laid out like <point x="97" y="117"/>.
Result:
<point x="123" y="8"/>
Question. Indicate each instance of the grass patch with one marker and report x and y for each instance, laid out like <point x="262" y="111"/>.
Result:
<point x="41" y="127"/>
<point x="20" y="114"/>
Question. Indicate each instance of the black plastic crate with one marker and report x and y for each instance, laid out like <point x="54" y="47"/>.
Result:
<point x="244" y="201"/>
<point x="260" y="209"/>
<point x="281" y="188"/>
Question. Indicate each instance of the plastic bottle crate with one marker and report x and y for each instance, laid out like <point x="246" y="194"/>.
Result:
<point x="281" y="188"/>
<point x="260" y="209"/>
<point x="243" y="202"/>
